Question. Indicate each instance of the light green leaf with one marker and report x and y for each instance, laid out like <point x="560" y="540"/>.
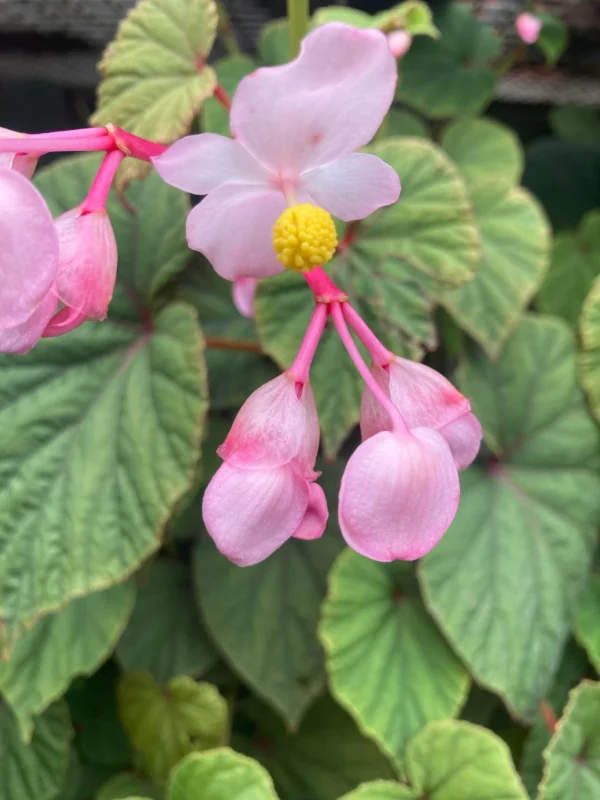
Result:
<point x="325" y="758"/>
<point x="587" y="628"/>
<point x="350" y="16"/>
<point x="382" y="790"/>
<point x="515" y="239"/>
<point x="589" y="359"/>
<point x="126" y="786"/>
<point x="35" y="771"/>
<point x="164" y="636"/>
<point x="263" y="618"/>
<point x="412" y="15"/>
<point x="230" y="72"/>
<point x="573" y="756"/>
<point x="484" y="149"/>
<point x="274" y="42"/>
<point x="574" y="266"/>
<point x="74" y="641"/>
<point x="220" y="775"/>
<point x="154" y="73"/>
<point x="576" y="123"/>
<point x="450" y="76"/>
<point x="165" y="723"/>
<point x="507" y="577"/>
<point x="404" y="123"/>
<point x="553" y="38"/>
<point x="387" y="663"/>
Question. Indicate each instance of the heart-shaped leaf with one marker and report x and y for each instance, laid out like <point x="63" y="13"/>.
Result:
<point x="484" y="149"/>
<point x="220" y="775"/>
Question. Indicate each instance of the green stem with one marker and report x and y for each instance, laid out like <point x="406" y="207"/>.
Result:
<point x="298" y="18"/>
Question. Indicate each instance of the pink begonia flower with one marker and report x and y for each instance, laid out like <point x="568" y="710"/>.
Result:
<point x="244" y="291"/>
<point x="425" y="399"/>
<point x="20" y="162"/>
<point x="399" y="494"/>
<point x="296" y="128"/>
<point x="265" y="493"/>
<point x="399" y="42"/>
<point x="528" y="27"/>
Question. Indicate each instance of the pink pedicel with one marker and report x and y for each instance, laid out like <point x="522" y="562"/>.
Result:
<point x="399" y="42"/>
<point x="296" y="128"/>
<point x="528" y="27"/>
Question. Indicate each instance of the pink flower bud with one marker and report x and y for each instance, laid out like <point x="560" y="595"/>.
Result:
<point x="399" y="42"/>
<point x="88" y="261"/>
<point x="528" y="27"/>
<point x="20" y="162"/>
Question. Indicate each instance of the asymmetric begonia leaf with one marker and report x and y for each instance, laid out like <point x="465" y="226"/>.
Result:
<point x="484" y="149"/>
<point x="589" y="359"/>
<point x="220" y="775"/>
<point x="274" y="42"/>
<point x="507" y="577"/>
<point x="34" y="771"/>
<point x="382" y="790"/>
<point x="574" y="265"/>
<point x="576" y="123"/>
<point x="230" y="71"/>
<point x="387" y="662"/>
<point x="450" y="76"/>
<point x="553" y="38"/>
<point x="155" y="75"/>
<point x="429" y="233"/>
<point x="515" y="239"/>
<point x="325" y="758"/>
<point x="276" y="653"/>
<point x="404" y="123"/>
<point x="587" y="627"/>
<point x="573" y="756"/>
<point x="350" y="16"/>
<point x="73" y="641"/>
<point x="126" y="786"/>
<point x="165" y="723"/>
<point x="164" y="636"/>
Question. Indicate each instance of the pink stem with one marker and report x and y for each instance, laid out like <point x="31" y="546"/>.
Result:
<point x="323" y="288"/>
<point x="82" y="133"/>
<point x="379" y="353"/>
<point x="337" y="314"/>
<point x="133" y="145"/>
<point x="27" y="144"/>
<point x="222" y="96"/>
<point x="301" y="366"/>
<point x="98" y="193"/>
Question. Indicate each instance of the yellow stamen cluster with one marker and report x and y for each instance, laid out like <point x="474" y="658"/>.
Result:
<point x="304" y="237"/>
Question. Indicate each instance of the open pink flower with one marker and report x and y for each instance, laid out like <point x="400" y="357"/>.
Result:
<point x="425" y="399"/>
<point x="528" y="27"/>
<point x="296" y="128"/>
<point x="265" y="493"/>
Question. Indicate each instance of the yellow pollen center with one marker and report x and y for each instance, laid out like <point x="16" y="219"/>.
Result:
<point x="304" y="237"/>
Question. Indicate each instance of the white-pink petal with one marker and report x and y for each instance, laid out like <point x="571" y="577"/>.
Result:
<point x="243" y="295"/>
<point x="22" y="338"/>
<point x="28" y="249"/>
<point x="315" y="519"/>
<point x="233" y="228"/>
<point x="399" y="494"/>
<point x="203" y="162"/>
<point x="25" y="163"/>
<point x="353" y="187"/>
<point x="464" y="439"/>
<point x="324" y="105"/>
<point x="251" y="513"/>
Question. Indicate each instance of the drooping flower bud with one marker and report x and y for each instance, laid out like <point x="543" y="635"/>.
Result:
<point x="528" y="27"/>
<point x="399" y="42"/>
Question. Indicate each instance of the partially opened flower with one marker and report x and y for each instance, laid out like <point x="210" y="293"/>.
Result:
<point x="296" y="128"/>
<point x="528" y="27"/>
<point x="25" y="163"/>
<point x="265" y="493"/>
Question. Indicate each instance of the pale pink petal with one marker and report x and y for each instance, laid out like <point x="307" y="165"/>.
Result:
<point x="22" y="338"/>
<point x="269" y="428"/>
<point x="20" y="162"/>
<point x="315" y="519"/>
<point x="528" y="27"/>
<point x="399" y="43"/>
<point x="233" y="228"/>
<point x="250" y="513"/>
<point x="464" y="438"/>
<point x="28" y="249"/>
<point x="244" y="292"/>
<point x="88" y="261"/>
<point x="309" y="445"/>
<point x="64" y="321"/>
<point x="399" y="494"/>
<point x="353" y="187"/>
<point x="201" y="163"/>
<point x="324" y="105"/>
<point x="373" y="417"/>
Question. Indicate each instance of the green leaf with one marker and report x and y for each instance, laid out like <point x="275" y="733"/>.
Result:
<point x="553" y="38"/>
<point x="350" y="16"/>
<point x="325" y="758"/>
<point x="429" y="233"/>
<point x="507" y="577"/>
<point x="165" y="723"/>
<point x="35" y="771"/>
<point x="154" y="73"/>
<point x="484" y="149"/>
<point x="412" y="15"/>
<point x="382" y="790"/>
<point x="450" y="76"/>
<point x="515" y="239"/>
<point x="164" y="636"/>
<point x="263" y="619"/>
<point x="230" y="71"/>
<point x="220" y="775"/>
<point x="74" y="641"/>
<point x="126" y="786"/>
<point x="274" y="42"/>
<point x="587" y="628"/>
<point x="404" y="123"/>
<point x="576" y="123"/>
<point x="589" y="360"/>
<point x="574" y="266"/>
<point x="573" y="756"/>
<point x="387" y="662"/>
